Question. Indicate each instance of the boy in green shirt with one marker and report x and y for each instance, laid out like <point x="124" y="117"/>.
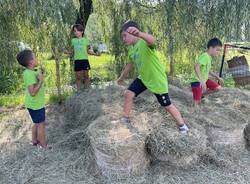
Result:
<point x="200" y="82"/>
<point x="34" y="96"/>
<point x="152" y="74"/>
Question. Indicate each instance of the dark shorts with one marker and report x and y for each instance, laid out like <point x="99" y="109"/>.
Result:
<point x="80" y="65"/>
<point x="138" y="87"/>
<point x="37" y="116"/>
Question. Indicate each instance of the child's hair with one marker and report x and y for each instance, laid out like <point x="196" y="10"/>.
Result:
<point x="128" y="24"/>
<point x="78" y="27"/>
<point x="24" y="57"/>
<point x="214" y="43"/>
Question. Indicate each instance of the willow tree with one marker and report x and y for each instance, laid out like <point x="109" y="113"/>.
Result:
<point x="43" y="25"/>
<point x="112" y="14"/>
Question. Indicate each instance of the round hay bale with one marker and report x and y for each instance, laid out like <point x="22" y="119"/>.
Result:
<point x="83" y="107"/>
<point x="119" y="151"/>
<point x="247" y="134"/>
<point x="166" y="144"/>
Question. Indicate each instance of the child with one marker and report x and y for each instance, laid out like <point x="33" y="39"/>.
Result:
<point x="201" y="84"/>
<point x="34" y="96"/>
<point x="81" y="49"/>
<point x="152" y="74"/>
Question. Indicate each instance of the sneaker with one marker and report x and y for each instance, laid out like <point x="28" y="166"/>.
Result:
<point x="125" y="120"/>
<point x="183" y="129"/>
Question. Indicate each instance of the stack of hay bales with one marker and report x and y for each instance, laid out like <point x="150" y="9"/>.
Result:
<point x="84" y="107"/>
<point x="239" y="68"/>
<point x="167" y="144"/>
<point x="118" y="149"/>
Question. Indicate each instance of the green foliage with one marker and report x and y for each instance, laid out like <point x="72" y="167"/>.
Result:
<point x="55" y="99"/>
<point x="11" y="100"/>
<point x="182" y="29"/>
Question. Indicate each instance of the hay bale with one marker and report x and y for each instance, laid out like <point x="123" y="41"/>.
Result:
<point x="166" y="144"/>
<point x="247" y="134"/>
<point x="83" y="107"/>
<point x="119" y="152"/>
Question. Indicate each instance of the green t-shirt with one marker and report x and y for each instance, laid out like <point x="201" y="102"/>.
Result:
<point x="33" y="102"/>
<point x="151" y="70"/>
<point x="80" y="47"/>
<point x="205" y="61"/>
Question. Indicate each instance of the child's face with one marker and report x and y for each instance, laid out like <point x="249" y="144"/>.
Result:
<point x="33" y="63"/>
<point x="77" y="33"/>
<point x="215" y="51"/>
<point x="127" y="38"/>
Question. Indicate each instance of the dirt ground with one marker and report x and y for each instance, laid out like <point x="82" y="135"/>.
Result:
<point x="221" y="118"/>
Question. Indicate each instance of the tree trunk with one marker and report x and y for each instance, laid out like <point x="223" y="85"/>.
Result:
<point x="169" y="8"/>
<point x="86" y="8"/>
<point x="58" y="75"/>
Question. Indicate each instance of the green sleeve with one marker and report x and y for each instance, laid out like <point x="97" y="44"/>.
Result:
<point x="152" y="47"/>
<point x="203" y="60"/>
<point x="29" y="79"/>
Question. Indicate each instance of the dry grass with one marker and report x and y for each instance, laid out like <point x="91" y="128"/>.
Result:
<point x="220" y="157"/>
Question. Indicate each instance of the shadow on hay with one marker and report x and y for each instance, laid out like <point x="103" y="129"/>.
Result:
<point x="82" y="108"/>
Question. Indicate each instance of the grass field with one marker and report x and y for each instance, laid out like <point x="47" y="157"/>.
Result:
<point x="99" y="72"/>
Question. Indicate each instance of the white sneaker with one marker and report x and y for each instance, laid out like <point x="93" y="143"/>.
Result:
<point x="183" y="129"/>
<point x="125" y="120"/>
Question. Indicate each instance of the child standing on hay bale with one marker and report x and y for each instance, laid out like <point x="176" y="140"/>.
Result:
<point x="152" y="74"/>
<point x="34" y="96"/>
<point x="80" y="50"/>
<point x="200" y="82"/>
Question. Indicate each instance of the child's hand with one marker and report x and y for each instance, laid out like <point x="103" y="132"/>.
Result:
<point x="40" y="77"/>
<point x="134" y="31"/>
<point x="221" y="81"/>
<point x="98" y="54"/>
<point x="67" y="52"/>
<point x="42" y="69"/>
<point x="121" y="82"/>
<point x="204" y="86"/>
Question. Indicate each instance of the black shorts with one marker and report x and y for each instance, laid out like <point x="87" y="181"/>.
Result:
<point x="37" y="116"/>
<point x="138" y="87"/>
<point x="80" y="65"/>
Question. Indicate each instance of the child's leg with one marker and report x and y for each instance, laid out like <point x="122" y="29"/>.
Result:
<point x="135" y="88"/>
<point x="212" y="86"/>
<point x="175" y="113"/>
<point x="79" y="75"/>
<point x="86" y="78"/>
<point x="165" y="102"/>
<point x="197" y="94"/>
<point x="41" y="133"/>
<point x="128" y="104"/>
<point x="34" y="134"/>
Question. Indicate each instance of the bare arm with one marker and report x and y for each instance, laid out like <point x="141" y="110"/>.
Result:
<point x="145" y="36"/>
<point x="148" y="38"/>
<point x="33" y="89"/>
<point x="214" y="75"/>
<point x="90" y="52"/>
<point x="221" y="81"/>
<point x="197" y="69"/>
<point x="125" y="73"/>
